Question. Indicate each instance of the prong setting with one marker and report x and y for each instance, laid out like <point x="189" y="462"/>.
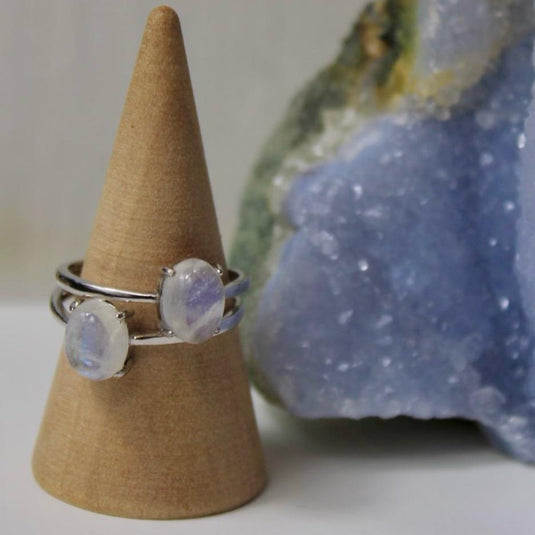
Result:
<point x="122" y="315"/>
<point x="168" y="271"/>
<point x="193" y="304"/>
<point x="125" y="369"/>
<point x="74" y="305"/>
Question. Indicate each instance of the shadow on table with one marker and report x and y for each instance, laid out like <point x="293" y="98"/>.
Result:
<point x="339" y="465"/>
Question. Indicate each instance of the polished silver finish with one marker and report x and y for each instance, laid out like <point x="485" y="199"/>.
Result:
<point x="73" y="304"/>
<point x="68" y="278"/>
<point x="167" y="271"/>
<point x="60" y="304"/>
<point x="72" y="290"/>
<point x="125" y="369"/>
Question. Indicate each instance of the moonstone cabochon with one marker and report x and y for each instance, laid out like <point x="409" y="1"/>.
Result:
<point x="96" y="341"/>
<point x="192" y="301"/>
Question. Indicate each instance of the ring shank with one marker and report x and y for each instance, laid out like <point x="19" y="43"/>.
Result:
<point x="68" y="279"/>
<point x="71" y="285"/>
<point x="60" y="301"/>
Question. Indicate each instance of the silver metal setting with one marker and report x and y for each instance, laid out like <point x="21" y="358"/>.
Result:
<point x="126" y="368"/>
<point x="60" y="305"/>
<point x="68" y="278"/>
<point x="72" y="290"/>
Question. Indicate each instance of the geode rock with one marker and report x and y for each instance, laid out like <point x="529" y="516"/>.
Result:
<point x="389" y="226"/>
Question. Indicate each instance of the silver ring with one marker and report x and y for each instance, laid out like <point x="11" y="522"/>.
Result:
<point x="192" y="302"/>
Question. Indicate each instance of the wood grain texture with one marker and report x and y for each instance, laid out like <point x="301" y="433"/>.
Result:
<point x="176" y="437"/>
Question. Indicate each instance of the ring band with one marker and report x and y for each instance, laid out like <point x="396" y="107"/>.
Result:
<point x="68" y="278"/>
<point x="192" y="302"/>
<point x="60" y="306"/>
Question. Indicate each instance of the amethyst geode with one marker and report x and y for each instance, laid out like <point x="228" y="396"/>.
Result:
<point x="389" y="226"/>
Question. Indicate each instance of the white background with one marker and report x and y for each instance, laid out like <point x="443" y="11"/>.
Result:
<point x="66" y="65"/>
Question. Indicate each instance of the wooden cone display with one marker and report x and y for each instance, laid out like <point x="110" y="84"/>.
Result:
<point x="176" y="437"/>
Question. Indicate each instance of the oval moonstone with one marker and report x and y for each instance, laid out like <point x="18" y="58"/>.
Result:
<point x="96" y="341"/>
<point x="192" y="301"/>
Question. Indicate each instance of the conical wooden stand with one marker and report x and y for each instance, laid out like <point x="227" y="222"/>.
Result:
<point x="176" y="437"/>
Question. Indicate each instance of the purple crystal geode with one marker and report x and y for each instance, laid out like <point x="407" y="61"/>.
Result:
<point x="389" y="226"/>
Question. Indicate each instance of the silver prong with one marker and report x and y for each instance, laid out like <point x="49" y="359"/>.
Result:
<point x="122" y="315"/>
<point x="220" y="269"/>
<point x="167" y="332"/>
<point x="74" y="304"/>
<point x="167" y="271"/>
<point x="125" y="369"/>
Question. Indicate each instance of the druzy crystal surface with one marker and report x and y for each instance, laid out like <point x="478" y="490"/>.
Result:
<point x="389" y="227"/>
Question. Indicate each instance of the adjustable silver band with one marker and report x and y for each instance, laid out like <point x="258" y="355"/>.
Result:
<point x="61" y="301"/>
<point x="68" y="278"/>
<point x="71" y="287"/>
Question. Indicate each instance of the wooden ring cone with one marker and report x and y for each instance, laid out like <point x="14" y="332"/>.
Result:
<point x="176" y="437"/>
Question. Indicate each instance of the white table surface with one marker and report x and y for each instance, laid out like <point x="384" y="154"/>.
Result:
<point x="360" y="478"/>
